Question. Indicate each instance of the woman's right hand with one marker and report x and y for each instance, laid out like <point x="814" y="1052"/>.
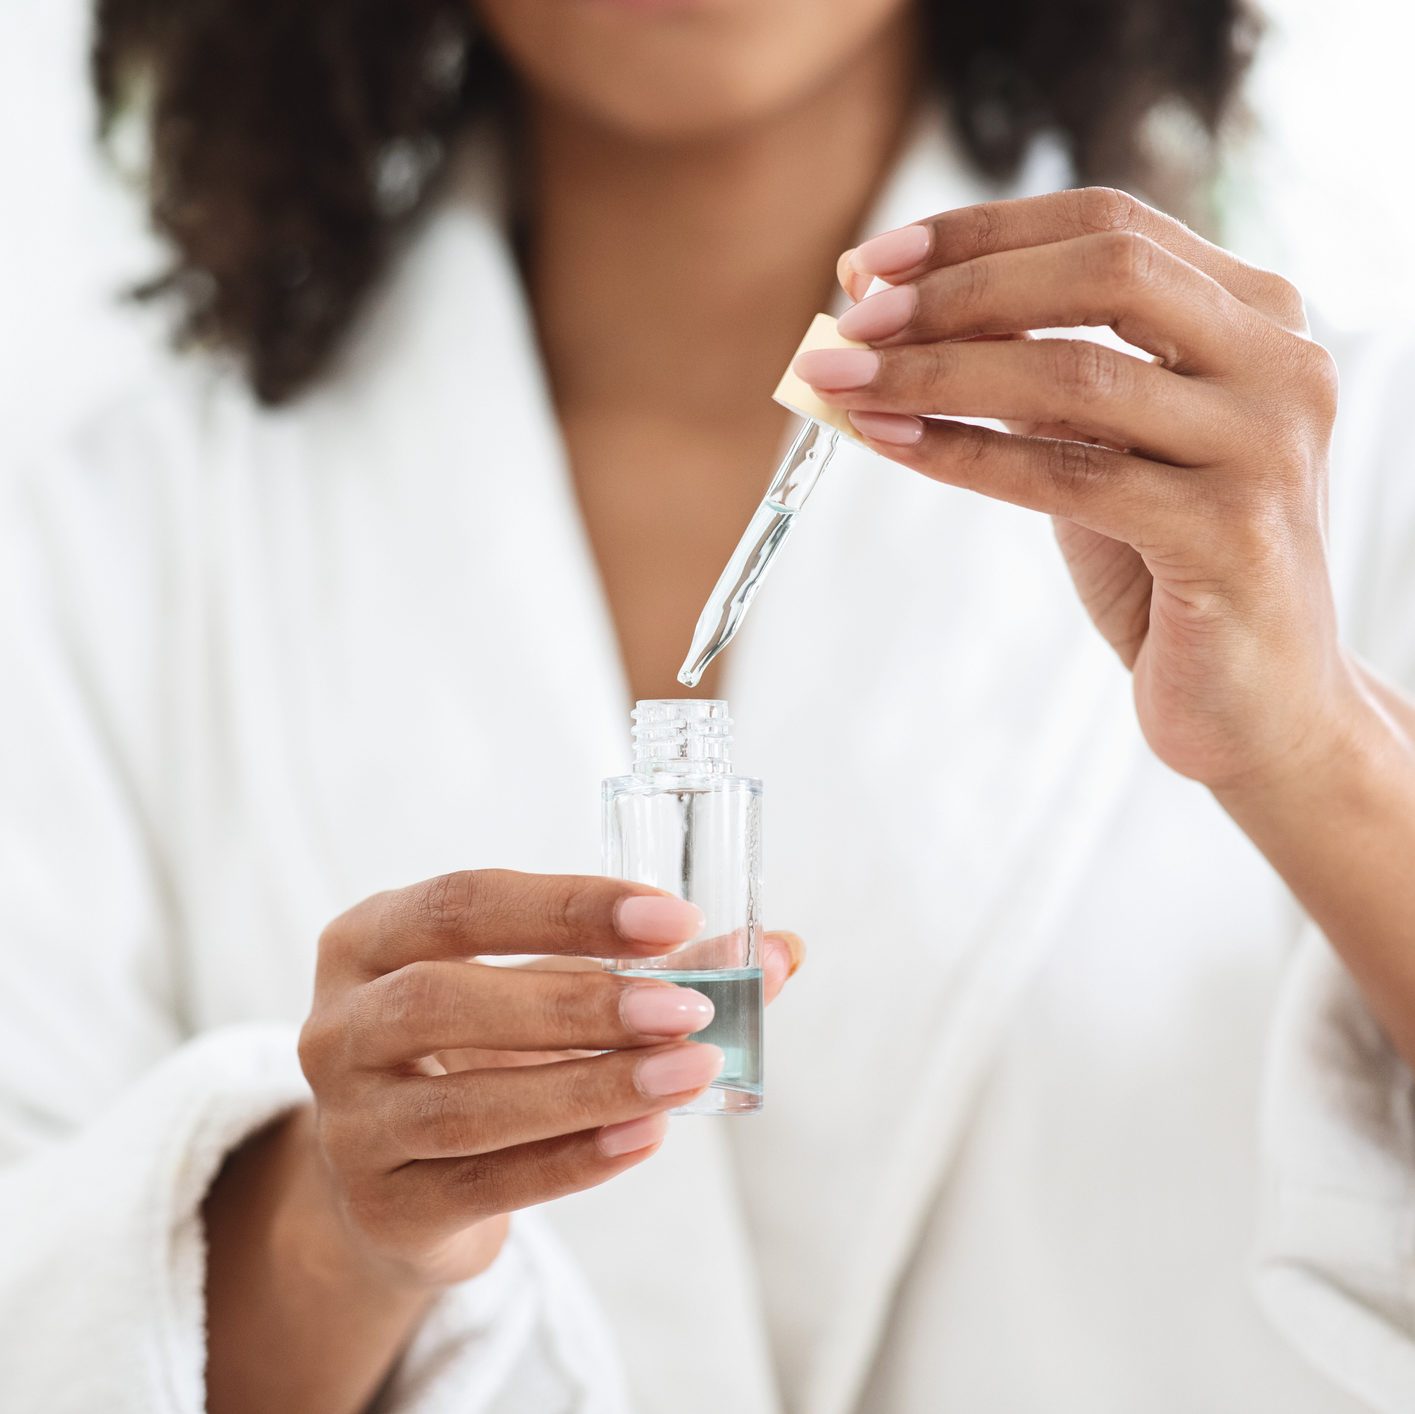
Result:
<point x="449" y="1092"/>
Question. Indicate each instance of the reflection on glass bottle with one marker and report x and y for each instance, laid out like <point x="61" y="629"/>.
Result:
<point x="683" y="822"/>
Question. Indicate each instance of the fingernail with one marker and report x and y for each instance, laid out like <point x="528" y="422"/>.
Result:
<point x="659" y="1009"/>
<point x="893" y="251"/>
<point x="683" y="1068"/>
<point x="881" y="316"/>
<point x="852" y="281"/>
<point x="777" y="966"/>
<point x="655" y="918"/>
<point x="891" y="427"/>
<point x="837" y="369"/>
<point x="615" y="1140"/>
<point x="795" y="950"/>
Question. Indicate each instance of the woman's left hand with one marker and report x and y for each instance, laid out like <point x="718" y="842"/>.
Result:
<point x="1189" y="491"/>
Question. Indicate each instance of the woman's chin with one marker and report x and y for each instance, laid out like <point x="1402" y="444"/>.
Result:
<point x="676" y="70"/>
<point x="668" y="117"/>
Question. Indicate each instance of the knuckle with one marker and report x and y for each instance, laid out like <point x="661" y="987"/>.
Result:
<point x="1259" y="535"/>
<point x="309" y="1050"/>
<point x="407" y="996"/>
<point x="447" y="1117"/>
<point x="1084" y="372"/>
<point x="1282" y="297"/>
<point x="1320" y="374"/>
<point x="1100" y="209"/>
<point x="940" y="361"/>
<point x="972" y="280"/>
<point x="567" y="1002"/>
<point x="449" y="901"/>
<point x="964" y="453"/>
<point x="971" y="446"/>
<point x="569" y="907"/>
<point x="1122" y="258"/>
<point x="981" y="232"/>
<point x="346" y="940"/>
<point x="477" y="1177"/>
<point x="317" y="1048"/>
<point x="1071" y="467"/>
<point x="575" y="1091"/>
<point x="337" y="940"/>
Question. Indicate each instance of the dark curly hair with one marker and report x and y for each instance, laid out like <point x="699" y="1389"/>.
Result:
<point x="293" y="140"/>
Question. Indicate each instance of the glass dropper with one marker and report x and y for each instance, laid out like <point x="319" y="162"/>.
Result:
<point x="758" y="548"/>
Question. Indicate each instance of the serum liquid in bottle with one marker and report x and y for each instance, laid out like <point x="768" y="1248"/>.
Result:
<point x="683" y="822"/>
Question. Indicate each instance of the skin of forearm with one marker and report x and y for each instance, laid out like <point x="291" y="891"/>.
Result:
<point x="294" y="1322"/>
<point x="1342" y="836"/>
<point x="1399" y="708"/>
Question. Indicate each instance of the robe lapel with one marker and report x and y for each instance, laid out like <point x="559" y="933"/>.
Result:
<point x="664" y="1246"/>
<point x="943" y="735"/>
<point x="937" y="654"/>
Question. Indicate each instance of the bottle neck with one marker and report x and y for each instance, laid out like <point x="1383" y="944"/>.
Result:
<point x="682" y="737"/>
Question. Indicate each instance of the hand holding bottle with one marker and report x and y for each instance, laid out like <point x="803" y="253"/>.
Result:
<point x="447" y="1093"/>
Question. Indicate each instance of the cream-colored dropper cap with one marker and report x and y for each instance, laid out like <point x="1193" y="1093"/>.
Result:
<point x="800" y="397"/>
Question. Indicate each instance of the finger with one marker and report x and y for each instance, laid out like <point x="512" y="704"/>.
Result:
<point x="968" y="232"/>
<point x="432" y="1006"/>
<point x="1117" y="493"/>
<point x="1149" y="296"/>
<point x="710" y="954"/>
<point x="485" y="911"/>
<point x="478" y="1111"/>
<point x="1095" y="390"/>
<point x="445" y="1195"/>
<point x="782" y="955"/>
<point x="851" y="280"/>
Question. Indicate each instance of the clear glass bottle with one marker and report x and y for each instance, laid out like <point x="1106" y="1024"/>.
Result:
<point x="683" y="822"/>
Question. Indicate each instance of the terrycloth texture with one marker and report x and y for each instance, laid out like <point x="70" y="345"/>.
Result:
<point x="104" y="1262"/>
<point x="103" y="1258"/>
<point x="1336" y="1264"/>
<point x="259" y="666"/>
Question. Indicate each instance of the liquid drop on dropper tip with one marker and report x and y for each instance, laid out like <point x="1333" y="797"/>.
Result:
<point x="691" y="673"/>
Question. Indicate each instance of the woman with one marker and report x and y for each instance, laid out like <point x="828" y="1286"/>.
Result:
<point x="1070" y="1049"/>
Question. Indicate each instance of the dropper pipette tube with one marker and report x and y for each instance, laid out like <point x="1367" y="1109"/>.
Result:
<point x="758" y="548"/>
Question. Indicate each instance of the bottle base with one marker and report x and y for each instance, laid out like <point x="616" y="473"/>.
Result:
<point x="722" y="1100"/>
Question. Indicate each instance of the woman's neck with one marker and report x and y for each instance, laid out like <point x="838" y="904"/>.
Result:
<point x="646" y="260"/>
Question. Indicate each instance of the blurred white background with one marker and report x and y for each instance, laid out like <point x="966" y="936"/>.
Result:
<point x="1322" y="192"/>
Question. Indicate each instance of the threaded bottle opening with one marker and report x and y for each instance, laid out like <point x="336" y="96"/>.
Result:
<point x="683" y="735"/>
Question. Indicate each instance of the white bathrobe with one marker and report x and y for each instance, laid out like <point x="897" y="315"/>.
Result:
<point x="1069" y="1111"/>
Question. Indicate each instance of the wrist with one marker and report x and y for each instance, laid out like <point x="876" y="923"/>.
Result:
<point x="312" y="1234"/>
<point x="1348" y="758"/>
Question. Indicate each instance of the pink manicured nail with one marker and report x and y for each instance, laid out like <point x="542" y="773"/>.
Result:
<point x="650" y="918"/>
<point x="837" y="369"/>
<point x="891" y="427"/>
<point x="656" y="1009"/>
<point x="674" y="1072"/>
<point x="893" y="251"/>
<point x="615" y="1140"/>
<point x="851" y="280"/>
<point x="776" y="967"/>
<point x="881" y="316"/>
